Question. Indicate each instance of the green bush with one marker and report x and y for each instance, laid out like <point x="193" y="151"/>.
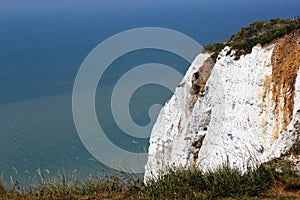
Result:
<point x="215" y="47"/>
<point x="257" y="32"/>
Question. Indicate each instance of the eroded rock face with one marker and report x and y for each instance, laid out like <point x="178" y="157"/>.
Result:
<point x="244" y="111"/>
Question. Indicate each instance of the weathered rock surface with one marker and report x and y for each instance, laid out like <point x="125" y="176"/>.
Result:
<point x="244" y="111"/>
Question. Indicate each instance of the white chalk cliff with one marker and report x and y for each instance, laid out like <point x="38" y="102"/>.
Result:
<point x="244" y="111"/>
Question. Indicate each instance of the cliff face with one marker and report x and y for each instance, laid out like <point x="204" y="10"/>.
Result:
<point x="244" y="111"/>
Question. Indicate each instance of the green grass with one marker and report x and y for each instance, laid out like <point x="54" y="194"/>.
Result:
<point x="177" y="183"/>
<point x="223" y="182"/>
<point x="64" y="186"/>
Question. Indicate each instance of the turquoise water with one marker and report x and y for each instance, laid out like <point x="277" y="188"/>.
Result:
<point x="41" y="52"/>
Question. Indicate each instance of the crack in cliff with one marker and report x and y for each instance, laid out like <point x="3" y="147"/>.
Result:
<point x="197" y="145"/>
<point x="280" y="86"/>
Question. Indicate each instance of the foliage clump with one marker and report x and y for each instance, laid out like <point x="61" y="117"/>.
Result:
<point x="259" y="32"/>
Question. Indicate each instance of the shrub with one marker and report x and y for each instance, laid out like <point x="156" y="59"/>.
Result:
<point x="257" y="32"/>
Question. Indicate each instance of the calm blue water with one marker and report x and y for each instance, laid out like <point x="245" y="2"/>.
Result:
<point x="40" y="54"/>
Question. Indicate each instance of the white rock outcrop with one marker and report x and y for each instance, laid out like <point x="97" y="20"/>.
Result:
<point x="240" y="115"/>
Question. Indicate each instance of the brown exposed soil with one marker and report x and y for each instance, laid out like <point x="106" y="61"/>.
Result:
<point x="282" y="191"/>
<point x="200" y="77"/>
<point x="281" y="84"/>
<point x="199" y="80"/>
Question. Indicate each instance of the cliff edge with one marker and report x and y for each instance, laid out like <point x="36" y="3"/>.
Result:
<point x="232" y="106"/>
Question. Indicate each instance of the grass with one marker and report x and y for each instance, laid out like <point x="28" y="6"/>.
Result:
<point x="223" y="182"/>
<point x="266" y="182"/>
<point x="64" y="186"/>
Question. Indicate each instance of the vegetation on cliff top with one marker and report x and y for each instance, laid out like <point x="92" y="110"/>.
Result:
<point x="259" y="32"/>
